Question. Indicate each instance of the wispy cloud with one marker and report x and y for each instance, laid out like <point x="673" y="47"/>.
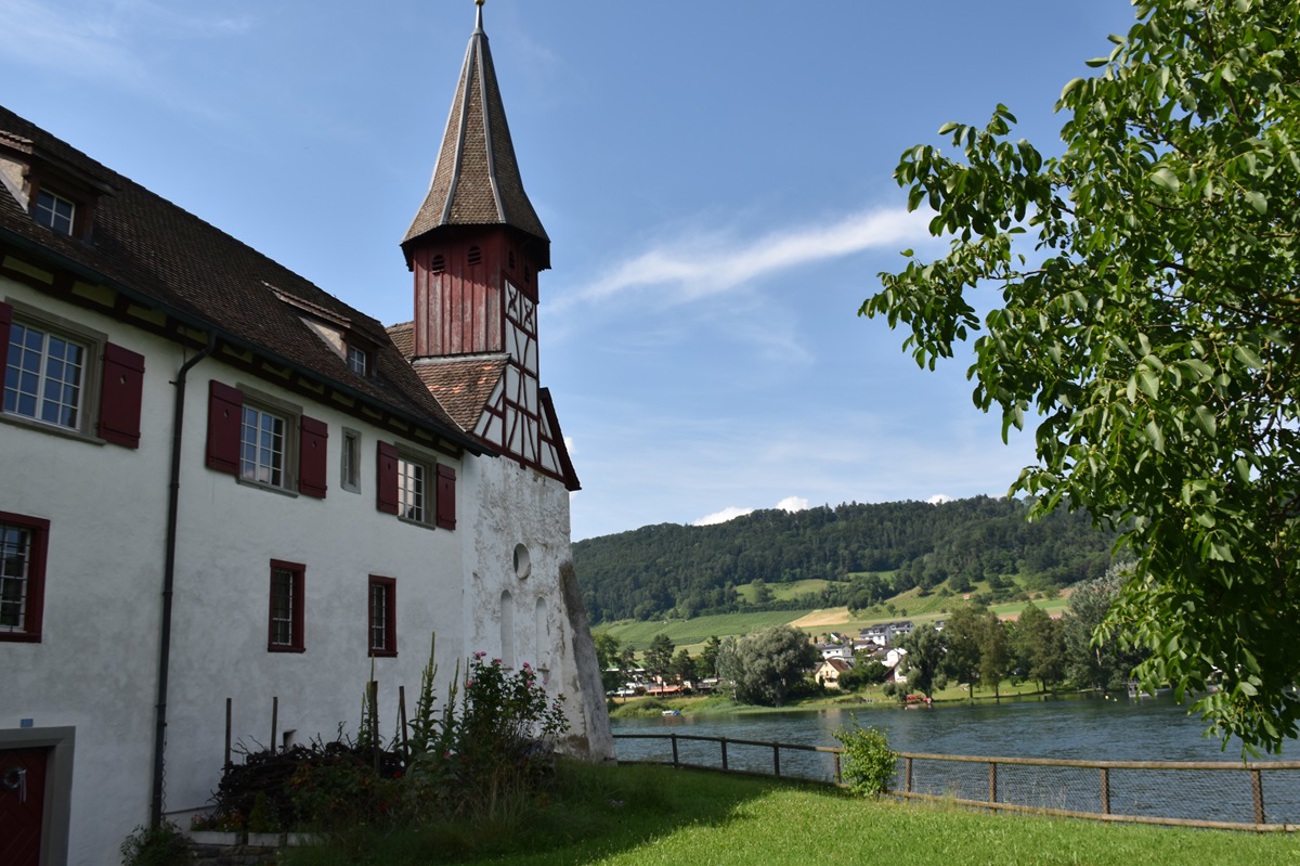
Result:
<point x="790" y="503"/>
<point x="695" y="267"/>
<point x="103" y="42"/>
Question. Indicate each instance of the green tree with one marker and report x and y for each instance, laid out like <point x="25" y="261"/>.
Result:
<point x="707" y="664"/>
<point x="996" y="657"/>
<point x="659" y="658"/>
<point x="1105" y="663"/>
<point x="607" y="656"/>
<point x="683" y="666"/>
<point x="1147" y="323"/>
<point x="765" y="665"/>
<point x="925" y="651"/>
<point x="962" y="635"/>
<point x="865" y="672"/>
<point x="1039" y="645"/>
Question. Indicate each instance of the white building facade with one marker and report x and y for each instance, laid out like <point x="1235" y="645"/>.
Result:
<point x="222" y="487"/>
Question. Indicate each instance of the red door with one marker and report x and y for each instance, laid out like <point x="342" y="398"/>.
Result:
<point x="22" y="801"/>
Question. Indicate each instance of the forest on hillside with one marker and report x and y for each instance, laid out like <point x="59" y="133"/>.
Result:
<point x="866" y="552"/>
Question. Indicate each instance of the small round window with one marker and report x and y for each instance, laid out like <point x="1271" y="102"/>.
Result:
<point x="523" y="563"/>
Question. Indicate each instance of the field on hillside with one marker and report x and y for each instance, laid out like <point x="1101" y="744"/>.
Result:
<point x="692" y="633"/>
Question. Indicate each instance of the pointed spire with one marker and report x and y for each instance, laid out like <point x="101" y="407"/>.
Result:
<point x="476" y="181"/>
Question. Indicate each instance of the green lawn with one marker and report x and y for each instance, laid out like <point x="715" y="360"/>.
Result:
<point x="657" y="816"/>
<point x="692" y="633"/>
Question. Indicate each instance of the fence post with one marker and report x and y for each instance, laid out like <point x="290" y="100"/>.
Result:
<point x="275" y="721"/>
<point x="993" y="782"/>
<point x="908" y="769"/>
<point x="776" y="760"/>
<point x="227" y="764"/>
<point x="839" y="777"/>
<point x="1257" y="789"/>
<point x="675" y="760"/>
<point x="1105" y="791"/>
<point x="724" y="753"/>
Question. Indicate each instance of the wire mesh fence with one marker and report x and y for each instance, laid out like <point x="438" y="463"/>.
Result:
<point x="1256" y="796"/>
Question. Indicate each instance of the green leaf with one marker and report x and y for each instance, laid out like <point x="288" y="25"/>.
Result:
<point x="1164" y="178"/>
<point x="1258" y="201"/>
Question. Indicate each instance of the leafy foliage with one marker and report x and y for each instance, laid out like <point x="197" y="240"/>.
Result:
<point x="869" y="763"/>
<point x="867" y="552"/>
<point x="1151" y="331"/>
<point x="164" y="845"/>
<point x="486" y="754"/>
<point x="767" y="665"/>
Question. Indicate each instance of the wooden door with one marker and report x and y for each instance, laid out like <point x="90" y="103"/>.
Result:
<point x="22" y="805"/>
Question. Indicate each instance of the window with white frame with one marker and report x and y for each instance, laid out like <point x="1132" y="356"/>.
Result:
<point x="45" y="375"/>
<point x="23" y="544"/>
<point x="285" y="619"/>
<point x="358" y="361"/>
<point x="413" y="489"/>
<point x="55" y="212"/>
<point x="262" y="456"/>
<point x="382" y="609"/>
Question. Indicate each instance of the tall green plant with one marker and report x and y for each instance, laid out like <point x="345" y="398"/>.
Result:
<point x="869" y="764"/>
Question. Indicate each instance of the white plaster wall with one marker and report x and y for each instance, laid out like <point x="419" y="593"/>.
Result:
<point x="95" y="667"/>
<point x="229" y="533"/>
<point x="514" y="506"/>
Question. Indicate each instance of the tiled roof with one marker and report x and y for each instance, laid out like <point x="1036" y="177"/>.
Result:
<point x="166" y="257"/>
<point x="462" y="384"/>
<point x="476" y="180"/>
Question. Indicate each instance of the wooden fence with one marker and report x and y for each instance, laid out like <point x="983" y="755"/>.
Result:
<point x="1211" y="794"/>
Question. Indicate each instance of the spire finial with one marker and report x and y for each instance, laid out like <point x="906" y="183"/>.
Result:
<point x="478" y="14"/>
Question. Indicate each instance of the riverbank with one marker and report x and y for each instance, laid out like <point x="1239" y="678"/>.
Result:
<point x="871" y="698"/>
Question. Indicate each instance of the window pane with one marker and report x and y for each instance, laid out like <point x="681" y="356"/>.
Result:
<point x="411" y="486"/>
<point x="15" y="548"/>
<point x="44" y="378"/>
<point x="262" y="447"/>
<point x="282" y="607"/>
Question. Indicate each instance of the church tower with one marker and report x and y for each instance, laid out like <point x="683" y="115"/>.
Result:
<point x="476" y="248"/>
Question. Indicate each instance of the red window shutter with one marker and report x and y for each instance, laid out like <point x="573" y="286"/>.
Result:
<point x="446" y="497"/>
<point x="313" y="436"/>
<point x="6" y="319"/>
<point x="386" y="473"/>
<point x="225" y="416"/>
<point x="120" y="395"/>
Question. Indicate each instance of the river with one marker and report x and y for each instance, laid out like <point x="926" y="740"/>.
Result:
<point x="1151" y="729"/>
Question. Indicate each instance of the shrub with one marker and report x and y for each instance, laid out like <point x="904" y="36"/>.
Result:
<point x="869" y="764"/>
<point x="164" y="845"/>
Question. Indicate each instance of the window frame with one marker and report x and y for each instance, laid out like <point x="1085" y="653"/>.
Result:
<point x="39" y="209"/>
<point x="429" y="504"/>
<point x="350" y="460"/>
<point x="306" y="454"/>
<point x="388" y="626"/>
<point x="93" y="344"/>
<point x="250" y="470"/>
<point x="357" y="358"/>
<point x="295" y="618"/>
<point x="33" y="604"/>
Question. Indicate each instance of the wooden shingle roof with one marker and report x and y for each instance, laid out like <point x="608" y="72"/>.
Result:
<point x="476" y="181"/>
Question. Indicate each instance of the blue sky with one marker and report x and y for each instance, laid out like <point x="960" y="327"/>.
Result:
<point x="715" y="178"/>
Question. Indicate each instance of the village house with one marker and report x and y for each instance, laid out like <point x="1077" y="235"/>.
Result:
<point x="828" y="672"/>
<point x="222" y="490"/>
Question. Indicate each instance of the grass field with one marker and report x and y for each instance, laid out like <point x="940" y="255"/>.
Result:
<point x="658" y="816"/>
<point x="692" y="633"/>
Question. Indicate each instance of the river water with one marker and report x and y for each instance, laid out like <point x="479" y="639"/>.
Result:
<point x="1151" y="729"/>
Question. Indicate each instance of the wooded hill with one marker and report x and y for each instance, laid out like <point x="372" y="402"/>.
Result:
<point x="853" y="554"/>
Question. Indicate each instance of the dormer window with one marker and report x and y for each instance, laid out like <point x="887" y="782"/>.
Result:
<point x="358" y="361"/>
<point x="55" y="212"/>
